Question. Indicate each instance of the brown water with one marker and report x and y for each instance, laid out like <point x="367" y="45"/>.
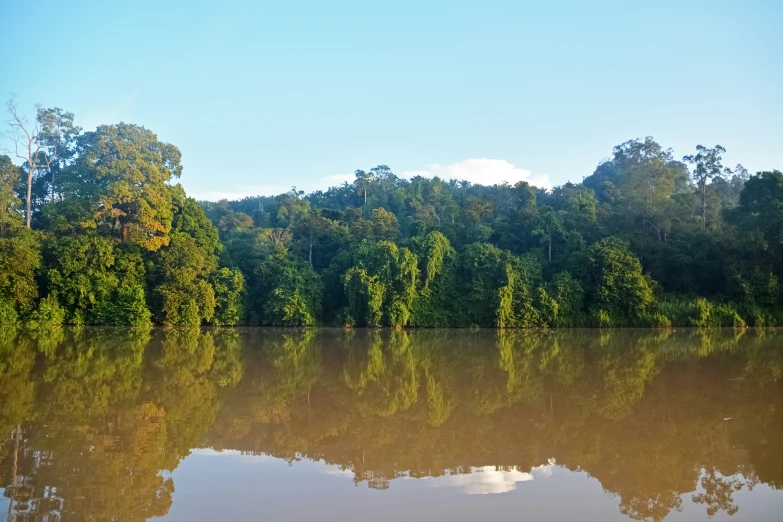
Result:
<point x="290" y="425"/>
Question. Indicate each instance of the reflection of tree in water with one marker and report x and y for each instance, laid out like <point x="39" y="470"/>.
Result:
<point x="657" y="508"/>
<point x="294" y="366"/>
<point x="642" y="413"/>
<point x="520" y="358"/>
<point x="717" y="492"/>
<point x="90" y="372"/>
<point x="393" y="375"/>
<point x="626" y="369"/>
<point x="178" y="380"/>
<point x="227" y="368"/>
<point x="386" y="379"/>
<point x="17" y="390"/>
<point x="612" y="377"/>
<point x="104" y="430"/>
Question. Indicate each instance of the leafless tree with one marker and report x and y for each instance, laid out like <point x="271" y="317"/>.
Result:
<point x="28" y="147"/>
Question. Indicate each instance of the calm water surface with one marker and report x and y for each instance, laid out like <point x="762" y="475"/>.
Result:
<point x="289" y="425"/>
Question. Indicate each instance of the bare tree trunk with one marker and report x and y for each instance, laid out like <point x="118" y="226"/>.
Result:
<point x="27" y="148"/>
<point x="365" y="197"/>
<point x="550" y="248"/>
<point x="29" y="195"/>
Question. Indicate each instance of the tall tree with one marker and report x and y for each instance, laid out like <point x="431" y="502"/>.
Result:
<point x="124" y="169"/>
<point x="706" y="165"/>
<point x="362" y="183"/>
<point x="58" y="134"/>
<point x="37" y="143"/>
<point x="312" y="230"/>
<point x="548" y="225"/>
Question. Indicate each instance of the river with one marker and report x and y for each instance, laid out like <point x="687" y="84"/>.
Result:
<point x="330" y="425"/>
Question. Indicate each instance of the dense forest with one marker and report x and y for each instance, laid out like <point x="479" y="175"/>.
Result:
<point x="94" y="229"/>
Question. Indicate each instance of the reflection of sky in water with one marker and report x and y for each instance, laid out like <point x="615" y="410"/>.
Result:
<point x="253" y="487"/>
<point x="482" y="480"/>
<point x="488" y="480"/>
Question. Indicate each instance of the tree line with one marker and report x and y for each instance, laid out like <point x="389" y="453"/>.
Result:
<point x="94" y="229"/>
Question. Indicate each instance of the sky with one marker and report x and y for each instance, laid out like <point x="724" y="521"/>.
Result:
<point x="262" y="96"/>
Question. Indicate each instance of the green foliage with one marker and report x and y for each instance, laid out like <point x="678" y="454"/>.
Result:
<point x="679" y="311"/>
<point x="620" y="291"/>
<point x="643" y="241"/>
<point x="9" y="203"/>
<point x="382" y="285"/>
<point x="569" y="296"/>
<point x="759" y="219"/>
<point x="548" y="228"/>
<point x="191" y="219"/>
<point x="124" y="169"/>
<point x="560" y="303"/>
<point x="98" y="281"/>
<point x="48" y="316"/>
<point x="728" y="316"/>
<point x="753" y="285"/>
<point x="365" y="297"/>
<point x="703" y="316"/>
<point x="499" y="287"/>
<point x="658" y="320"/>
<point x="481" y="276"/>
<point x="548" y="307"/>
<point x="384" y="225"/>
<point x="20" y="258"/>
<point x="604" y="319"/>
<point x="290" y="291"/>
<point x="702" y="313"/>
<point x="229" y="287"/>
<point x="287" y="309"/>
<point x="184" y="297"/>
<point x="434" y="303"/>
<point x="437" y="249"/>
<point x="128" y="307"/>
<point x="516" y="308"/>
<point x="8" y="315"/>
<point x="318" y="238"/>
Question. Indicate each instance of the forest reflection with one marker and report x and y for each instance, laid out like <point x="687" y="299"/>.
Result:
<point x="93" y="421"/>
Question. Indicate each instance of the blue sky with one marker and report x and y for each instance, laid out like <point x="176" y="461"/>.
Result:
<point x="260" y="96"/>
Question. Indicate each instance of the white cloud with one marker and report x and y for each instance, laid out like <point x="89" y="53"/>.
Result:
<point x="482" y="171"/>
